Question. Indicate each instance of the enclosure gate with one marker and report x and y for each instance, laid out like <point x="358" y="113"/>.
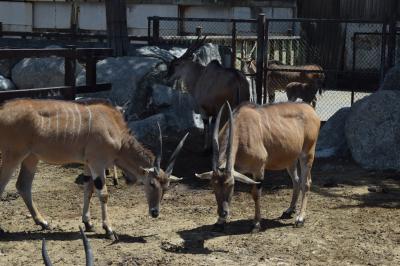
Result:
<point x="71" y="54"/>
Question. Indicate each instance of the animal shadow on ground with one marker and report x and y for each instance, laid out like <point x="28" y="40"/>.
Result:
<point x="63" y="236"/>
<point x="193" y="239"/>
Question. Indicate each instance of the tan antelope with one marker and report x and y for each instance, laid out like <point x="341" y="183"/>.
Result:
<point x="95" y="135"/>
<point x="259" y="138"/>
<point x="211" y="86"/>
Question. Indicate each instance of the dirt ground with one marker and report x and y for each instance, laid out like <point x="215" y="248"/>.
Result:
<point x="346" y="223"/>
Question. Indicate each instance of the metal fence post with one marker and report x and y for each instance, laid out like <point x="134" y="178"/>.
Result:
<point x="1" y="29"/>
<point x="148" y="30"/>
<point x="233" y="55"/>
<point x="260" y="56"/>
<point x="383" y="53"/>
<point x="156" y="30"/>
<point x="70" y="69"/>
<point x="91" y="72"/>
<point x="265" y="68"/>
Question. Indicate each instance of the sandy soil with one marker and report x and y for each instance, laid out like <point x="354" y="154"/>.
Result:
<point x="346" y="223"/>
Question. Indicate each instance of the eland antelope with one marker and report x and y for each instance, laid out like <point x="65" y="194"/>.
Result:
<point x="259" y="138"/>
<point x="211" y="86"/>
<point x="95" y="135"/>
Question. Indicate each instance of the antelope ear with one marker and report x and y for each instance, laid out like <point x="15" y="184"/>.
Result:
<point x="244" y="179"/>
<point x="206" y="175"/>
<point x="173" y="178"/>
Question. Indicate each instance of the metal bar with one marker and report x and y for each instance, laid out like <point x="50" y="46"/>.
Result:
<point x="69" y="77"/>
<point x="91" y="71"/>
<point x="148" y="31"/>
<point x="265" y="78"/>
<point x="233" y="55"/>
<point x="383" y="54"/>
<point x="207" y="19"/>
<point x="60" y="52"/>
<point x="52" y="91"/>
<point x="156" y="30"/>
<point x="319" y="20"/>
<point x="260" y="56"/>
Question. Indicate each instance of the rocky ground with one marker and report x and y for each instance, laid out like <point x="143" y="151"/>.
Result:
<point x="353" y="218"/>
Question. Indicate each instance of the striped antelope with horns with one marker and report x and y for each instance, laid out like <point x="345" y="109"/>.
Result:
<point x="61" y="132"/>
<point x="259" y="138"/>
<point x="211" y="86"/>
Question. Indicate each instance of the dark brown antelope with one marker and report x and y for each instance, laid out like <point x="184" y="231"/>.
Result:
<point x="211" y="86"/>
<point x="304" y="91"/>
<point x="95" y="135"/>
<point x="259" y="138"/>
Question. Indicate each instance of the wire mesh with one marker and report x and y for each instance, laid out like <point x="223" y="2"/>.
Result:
<point x="348" y="55"/>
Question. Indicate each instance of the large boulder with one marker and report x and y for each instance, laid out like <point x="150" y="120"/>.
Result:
<point x="154" y="51"/>
<point x="40" y="72"/>
<point x="124" y="73"/>
<point x="392" y="79"/>
<point x="372" y="133"/>
<point x="6" y="84"/>
<point x="6" y="65"/>
<point x="146" y="130"/>
<point x="331" y="139"/>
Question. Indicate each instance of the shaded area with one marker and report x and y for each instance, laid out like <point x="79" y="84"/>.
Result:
<point x="193" y="239"/>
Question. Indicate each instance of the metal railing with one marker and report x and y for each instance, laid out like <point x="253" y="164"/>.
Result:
<point x="71" y="54"/>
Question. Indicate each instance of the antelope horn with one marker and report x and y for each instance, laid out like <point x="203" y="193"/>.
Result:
<point x="194" y="46"/>
<point x="215" y="144"/>
<point x="229" y="163"/>
<point x="174" y="155"/>
<point x="45" y="255"/>
<point x="86" y="244"/>
<point x="252" y="49"/>
<point x="157" y="163"/>
<point x="88" y="248"/>
<point x="244" y="179"/>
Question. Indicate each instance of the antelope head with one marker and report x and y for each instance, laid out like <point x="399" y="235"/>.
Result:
<point x="156" y="180"/>
<point x="223" y="177"/>
<point x="177" y="67"/>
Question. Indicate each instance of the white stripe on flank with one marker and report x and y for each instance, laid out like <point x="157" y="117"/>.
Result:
<point x="73" y="123"/>
<point x="90" y="119"/>
<point x="80" y="119"/>
<point x="66" y="122"/>
<point x="57" y="124"/>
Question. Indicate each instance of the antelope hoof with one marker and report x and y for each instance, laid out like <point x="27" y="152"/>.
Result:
<point x="112" y="236"/>
<point x="299" y="223"/>
<point x="287" y="215"/>
<point x="256" y="228"/>
<point x="88" y="227"/>
<point x="219" y="227"/>
<point x="45" y="225"/>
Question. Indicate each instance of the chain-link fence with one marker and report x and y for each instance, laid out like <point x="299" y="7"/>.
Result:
<point x="344" y="58"/>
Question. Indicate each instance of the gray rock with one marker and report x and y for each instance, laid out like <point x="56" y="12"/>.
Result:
<point x="392" y="79"/>
<point x="372" y="131"/>
<point x="6" y="65"/>
<point x="154" y="51"/>
<point x="177" y="51"/>
<point x="40" y="72"/>
<point x="124" y="73"/>
<point x="146" y="130"/>
<point x="331" y="139"/>
<point x="181" y="116"/>
<point x="6" y="84"/>
<point x="207" y="53"/>
<point x="162" y="95"/>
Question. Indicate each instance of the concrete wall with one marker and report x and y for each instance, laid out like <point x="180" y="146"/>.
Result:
<point x="16" y="16"/>
<point x="23" y="16"/>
